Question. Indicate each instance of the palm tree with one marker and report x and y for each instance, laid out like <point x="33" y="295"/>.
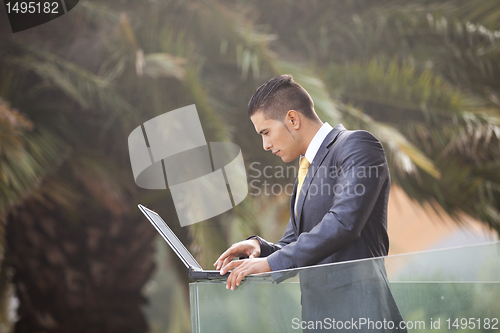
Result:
<point x="67" y="207"/>
<point x="63" y="264"/>
<point x="75" y="220"/>
<point x="425" y="69"/>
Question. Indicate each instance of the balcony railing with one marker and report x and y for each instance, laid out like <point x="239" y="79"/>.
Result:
<point x="441" y="290"/>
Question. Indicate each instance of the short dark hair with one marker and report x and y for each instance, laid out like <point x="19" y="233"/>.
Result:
<point x="279" y="95"/>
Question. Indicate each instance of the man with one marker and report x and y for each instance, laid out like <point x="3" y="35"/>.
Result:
<point x="338" y="208"/>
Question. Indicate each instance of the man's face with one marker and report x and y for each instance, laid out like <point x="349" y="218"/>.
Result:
<point x="276" y="137"/>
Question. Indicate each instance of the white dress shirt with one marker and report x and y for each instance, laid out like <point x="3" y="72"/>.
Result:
<point x="313" y="148"/>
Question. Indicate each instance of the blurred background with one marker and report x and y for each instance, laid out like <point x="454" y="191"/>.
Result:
<point x="77" y="255"/>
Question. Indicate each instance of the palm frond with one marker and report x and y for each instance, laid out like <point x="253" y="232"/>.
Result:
<point x="23" y="167"/>
<point x="12" y="126"/>
<point x="477" y="137"/>
<point x="97" y="12"/>
<point x="164" y="65"/>
<point x="82" y="86"/>
<point x="25" y="156"/>
<point x="403" y="156"/>
<point x="398" y="87"/>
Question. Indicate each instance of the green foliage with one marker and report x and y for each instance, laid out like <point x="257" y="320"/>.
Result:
<point x="26" y="157"/>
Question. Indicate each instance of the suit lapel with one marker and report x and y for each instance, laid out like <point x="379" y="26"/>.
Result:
<point x="313" y="169"/>
<point x="292" y="208"/>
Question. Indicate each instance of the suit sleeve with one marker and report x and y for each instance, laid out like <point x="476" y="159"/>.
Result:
<point x="355" y="196"/>
<point x="266" y="248"/>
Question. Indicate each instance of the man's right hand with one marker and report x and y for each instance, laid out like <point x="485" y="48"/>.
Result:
<point x="247" y="248"/>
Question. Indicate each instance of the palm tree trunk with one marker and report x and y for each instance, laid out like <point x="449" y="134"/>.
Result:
<point x="79" y="274"/>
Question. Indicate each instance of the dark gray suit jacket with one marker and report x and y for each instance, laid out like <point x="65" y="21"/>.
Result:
<point x="341" y="216"/>
<point x="342" y="207"/>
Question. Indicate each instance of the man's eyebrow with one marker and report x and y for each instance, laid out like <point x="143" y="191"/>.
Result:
<point x="265" y="129"/>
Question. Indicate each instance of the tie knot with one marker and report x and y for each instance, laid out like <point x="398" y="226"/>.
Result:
<point x="304" y="163"/>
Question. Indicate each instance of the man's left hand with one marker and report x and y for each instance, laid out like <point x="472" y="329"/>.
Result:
<point x="242" y="268"/>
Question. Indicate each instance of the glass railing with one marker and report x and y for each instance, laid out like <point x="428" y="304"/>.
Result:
<point x="434" y="291"/>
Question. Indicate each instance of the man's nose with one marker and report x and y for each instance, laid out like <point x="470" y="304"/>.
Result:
<point x="267" y="145"/>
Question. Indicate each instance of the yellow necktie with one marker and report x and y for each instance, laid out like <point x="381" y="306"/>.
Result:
<point x="304" y="166"/>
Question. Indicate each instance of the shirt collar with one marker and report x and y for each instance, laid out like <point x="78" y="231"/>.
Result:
<point x="316" y="142"/>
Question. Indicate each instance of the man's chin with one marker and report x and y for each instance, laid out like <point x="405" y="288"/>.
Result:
<point x="288" y="159"/>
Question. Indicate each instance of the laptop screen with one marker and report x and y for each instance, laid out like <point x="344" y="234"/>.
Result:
<point x="171" y="238"/>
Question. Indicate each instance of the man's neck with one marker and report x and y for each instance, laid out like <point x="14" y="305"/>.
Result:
<point x="310" y="133"/>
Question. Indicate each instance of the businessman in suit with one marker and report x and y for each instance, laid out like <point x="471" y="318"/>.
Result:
<point x="338" y="210"/>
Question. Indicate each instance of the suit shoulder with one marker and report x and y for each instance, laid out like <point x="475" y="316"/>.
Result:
<point x="360" y="145"/>
<point x="356" y="137"/>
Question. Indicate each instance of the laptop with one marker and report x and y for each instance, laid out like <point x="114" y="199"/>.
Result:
<point x="196" y="272"/>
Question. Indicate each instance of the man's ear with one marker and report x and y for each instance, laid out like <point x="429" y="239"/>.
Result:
<point x="292" y="119"/>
